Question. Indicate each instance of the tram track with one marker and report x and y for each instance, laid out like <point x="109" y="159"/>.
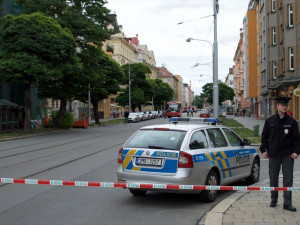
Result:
<point x="65" y="163"/>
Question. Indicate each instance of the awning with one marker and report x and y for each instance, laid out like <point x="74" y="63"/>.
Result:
<point x="5" y="102"/>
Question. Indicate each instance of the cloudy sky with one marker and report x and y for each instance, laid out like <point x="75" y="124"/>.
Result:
<point x="156" y="23"/>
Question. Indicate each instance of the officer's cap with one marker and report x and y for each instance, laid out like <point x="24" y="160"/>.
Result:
<point x="283" y="100"/>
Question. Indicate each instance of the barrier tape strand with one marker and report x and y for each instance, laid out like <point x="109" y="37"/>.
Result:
<point x="143" y="186"/>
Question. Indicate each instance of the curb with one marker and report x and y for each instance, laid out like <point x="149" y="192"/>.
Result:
<point x="215" y="215"/>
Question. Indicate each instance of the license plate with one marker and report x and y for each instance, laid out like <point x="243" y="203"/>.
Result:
<point x="148" y="161"/>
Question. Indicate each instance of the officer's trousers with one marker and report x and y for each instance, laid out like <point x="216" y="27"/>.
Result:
<point x="287" y="170"/>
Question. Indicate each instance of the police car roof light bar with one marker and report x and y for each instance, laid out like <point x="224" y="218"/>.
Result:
<point x="212" y="121"/>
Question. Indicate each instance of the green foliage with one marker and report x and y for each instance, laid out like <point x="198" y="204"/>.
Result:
<point x="36" y="50"/>
<point x="66" y="123"/>
<point x="34" y="46"/>
<point x="88" y="27"/>
<point x="225" y="92"/>
<point x="140" y="88"/>
<point x="101" y="72"/>
<point x="199" y="101"/>
<point x="163" y="93"/>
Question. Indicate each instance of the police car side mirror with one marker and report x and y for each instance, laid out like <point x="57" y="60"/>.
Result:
<point x="247" y="142"/>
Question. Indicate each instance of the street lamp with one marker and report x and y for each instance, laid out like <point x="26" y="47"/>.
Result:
<point x="215" y="77"/>
<point x="202" y="64"/>
<point x="215" y="60"/>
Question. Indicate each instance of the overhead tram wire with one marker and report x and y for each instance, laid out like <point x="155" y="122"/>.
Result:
<point x="203" y="17"/>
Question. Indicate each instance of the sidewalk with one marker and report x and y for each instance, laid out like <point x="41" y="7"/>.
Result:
<point x="252" y="208"/>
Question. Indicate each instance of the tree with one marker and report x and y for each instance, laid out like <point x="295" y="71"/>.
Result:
<point x="139" y="86"/>
<point x="34" y="49"/>
<point x="102" y="73"/>
<point x="87" y="19"/>
<point x="162" y="93"/>
<point x="225" y="92"/>
<point x="199" y="101"/>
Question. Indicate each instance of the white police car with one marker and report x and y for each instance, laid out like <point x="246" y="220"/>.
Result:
<point x="188" y="154"/>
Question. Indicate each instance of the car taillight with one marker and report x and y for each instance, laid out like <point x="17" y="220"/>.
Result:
<point x="185" y="160"/>
<point x="120" y="156"/>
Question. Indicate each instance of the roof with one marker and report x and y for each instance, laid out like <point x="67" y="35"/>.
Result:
<point x="114" y="22"/>
<point x="163" y="72"/>
<point x="5" y="102"/>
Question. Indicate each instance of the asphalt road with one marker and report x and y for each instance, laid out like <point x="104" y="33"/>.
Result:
<point x="85" y="155"/>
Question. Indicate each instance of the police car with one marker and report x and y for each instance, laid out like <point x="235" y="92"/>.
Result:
<point x="187" y="152"/>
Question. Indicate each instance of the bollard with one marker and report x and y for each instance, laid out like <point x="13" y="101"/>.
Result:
<point x="256" y="130"/>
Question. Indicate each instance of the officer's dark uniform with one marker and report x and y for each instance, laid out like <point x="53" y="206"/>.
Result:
<point x="281" y="138"/>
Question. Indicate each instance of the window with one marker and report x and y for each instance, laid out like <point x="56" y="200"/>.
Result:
<point x="198" y="140"/>
<point x="156" y="139"/>
<point x="274" y="65"/>
<point x="290" y="15"/>
<point x="291" y="59"/>
<point x="274" y="35"/>
<point x="273" y="6"/>
<point x="216" y="138"/>
<point x="233" y="138"/>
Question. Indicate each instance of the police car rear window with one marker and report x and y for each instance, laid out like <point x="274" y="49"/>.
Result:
<point x="157" y="139"/>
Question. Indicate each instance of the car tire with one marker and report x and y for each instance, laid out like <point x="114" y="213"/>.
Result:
<point x="212" y="179"/>
<point x="255" y="172"/>
<point x="136" y="192"/>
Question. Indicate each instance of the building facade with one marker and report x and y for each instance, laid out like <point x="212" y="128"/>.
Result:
<point x="169" y="78"/>
<point x="240" y="101"/>
<point x="280" y="53"/>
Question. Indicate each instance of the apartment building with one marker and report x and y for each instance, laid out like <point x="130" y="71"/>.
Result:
<point x="240" y="101"/>
<point x="229" y="82"/>
<point x="168" y="77"/>
<point x="280" y="53"/>
<point x="251" y="57"/>
<point x="180" y="90"/>
<point x="124" y="50"/>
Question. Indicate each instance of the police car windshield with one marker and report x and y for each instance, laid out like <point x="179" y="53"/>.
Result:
<point x="156" y="139"/>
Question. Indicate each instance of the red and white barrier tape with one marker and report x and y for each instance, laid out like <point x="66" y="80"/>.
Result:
<point x="143" y="186"/>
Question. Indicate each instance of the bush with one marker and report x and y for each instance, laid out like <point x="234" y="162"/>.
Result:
<point x="66" y="123"/>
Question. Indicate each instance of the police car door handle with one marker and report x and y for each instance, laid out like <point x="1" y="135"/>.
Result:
<point x="235" y="152"/>
<point x="217" y="155"/>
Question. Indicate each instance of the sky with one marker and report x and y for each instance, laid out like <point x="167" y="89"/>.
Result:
<point x="156" y="23"/>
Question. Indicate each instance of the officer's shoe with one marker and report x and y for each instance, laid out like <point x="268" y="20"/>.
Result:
<point x="273" y="204"/>
<point x="290" y="208"/>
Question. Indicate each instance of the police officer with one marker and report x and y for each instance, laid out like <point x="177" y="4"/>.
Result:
<point x="280" y="142"/>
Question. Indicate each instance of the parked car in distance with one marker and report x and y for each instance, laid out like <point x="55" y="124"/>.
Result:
<point x="142" y="116"/>
<point x="204" y="114"/>
<point x="147" y="115"/>
<point x="133" y="117"/>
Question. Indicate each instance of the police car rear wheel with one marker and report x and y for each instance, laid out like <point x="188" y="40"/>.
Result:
<point x="136" y="192"/>
<point x="211" y="180"/>
<point x="254" y="177"/>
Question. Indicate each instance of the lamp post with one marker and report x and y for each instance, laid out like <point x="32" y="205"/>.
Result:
<point x="89" y="104"/>
<point x="215" y="77"/>
<point x="129" y="91"/>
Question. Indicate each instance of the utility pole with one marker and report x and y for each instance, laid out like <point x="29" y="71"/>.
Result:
<point x="215" y="66"/>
